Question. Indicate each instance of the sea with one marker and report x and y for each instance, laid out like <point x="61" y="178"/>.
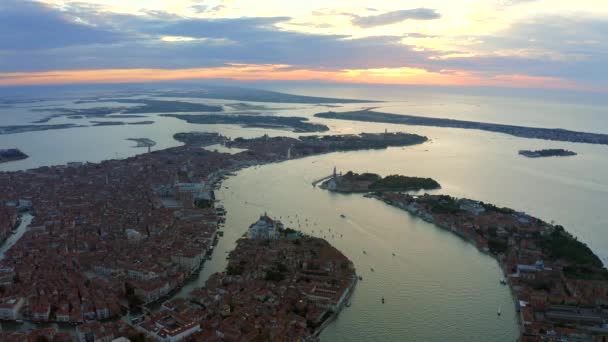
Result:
<point x="436" y="286"/>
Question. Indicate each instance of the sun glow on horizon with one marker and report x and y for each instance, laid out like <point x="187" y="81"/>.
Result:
<point x="282" y="72"/>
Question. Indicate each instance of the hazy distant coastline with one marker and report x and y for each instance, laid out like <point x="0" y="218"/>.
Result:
<point x="555" y="134"/>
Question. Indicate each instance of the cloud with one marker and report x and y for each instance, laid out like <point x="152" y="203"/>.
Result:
<point x="236" y="29"/>
<point x="199" y="8"/>
<point x="27" y="25"/>
<point x="36" y="37"/>
<point x="162" y="41"/>
<point x="559" y="46"/>
<point x="394" y="17"/>
<point x="419" y="35"/>
<point x="202" y="8"/>
<point x="514" y="2"/>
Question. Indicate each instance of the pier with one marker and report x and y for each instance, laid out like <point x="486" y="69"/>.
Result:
<point x="320" y="180"/>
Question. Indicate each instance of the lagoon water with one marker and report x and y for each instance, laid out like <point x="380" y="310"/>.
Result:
<point x="436" y="286"/>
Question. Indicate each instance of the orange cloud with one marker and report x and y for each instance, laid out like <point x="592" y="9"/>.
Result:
<point x="259" y="72"/>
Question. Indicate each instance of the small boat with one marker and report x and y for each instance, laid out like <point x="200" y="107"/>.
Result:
<point x="372" y="269"/>
<point x="382" y="300"/>
<point x="503" y="281"/>
<point x="342" y="216"/>
<point x="393" y="253"/>
<point x="499" y="312"/>
<point x="364" y="252"/>
<point x="348" y="304"/>
<point x="360" y="278"/>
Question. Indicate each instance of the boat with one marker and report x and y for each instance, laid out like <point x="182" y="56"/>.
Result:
<point x="360" y="278"/>
<point x="342" y="216"/>
<point x="348" y="304"/>
<point x="364" y="252"/>
<point x="372" y="269"/>
<point x="503" y="281"/>
<point x="393" y="253"/>
<point x="499" y="312"/>
<point x="382" y="300"/>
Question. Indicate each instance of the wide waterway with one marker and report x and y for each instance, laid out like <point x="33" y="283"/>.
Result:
<point x="437" y="284"/>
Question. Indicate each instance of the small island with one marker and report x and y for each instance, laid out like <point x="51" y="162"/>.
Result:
<point x="368" y="182"/>
<point x="199" y="138"/>
<point x="14" y="129"/>
<point x="11" y="154"/>
<point x="119" y="123"/>
<point x="143" y="142"/>
<point x="554" y="152"/>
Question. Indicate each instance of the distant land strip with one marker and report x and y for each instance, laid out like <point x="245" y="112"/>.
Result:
<point x="555" y="134"/>
<point x="254" y="95"/>
<point x="297" y="124"/>
<point x="33" y="128"/>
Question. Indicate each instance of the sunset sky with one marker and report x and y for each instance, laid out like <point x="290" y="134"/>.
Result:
<point x="510" y="43"/>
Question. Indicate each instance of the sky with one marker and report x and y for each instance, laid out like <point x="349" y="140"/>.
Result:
<point x="551" y="44"/>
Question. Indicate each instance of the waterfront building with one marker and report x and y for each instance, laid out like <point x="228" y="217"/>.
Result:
<point x="265" y="228"/>
<point x="10" y="307"/>
<point x="169" y="326"/>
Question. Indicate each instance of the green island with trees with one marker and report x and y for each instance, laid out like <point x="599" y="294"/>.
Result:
<point x="371" y="182"/>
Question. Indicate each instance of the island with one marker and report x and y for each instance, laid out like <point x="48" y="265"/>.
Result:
<point x="159" y="106"/>
<point x="141" y="106"/>
<point x="33" y="128"/>
<point x="200" y="138"/>
<point x="11" y="154"/>
<point x="145" y="122"/>
<point x="367" y="182"/>
<point x="288" y="148"/>
<point x="554" y="152"/>
<point x="289" y="285"/>
<point x="555" y="134"/>
<point x="143" y="142"/>
<point x="560" y="286"/>
<point x="120" y="123"/>
<point x="124" y="235"/>
<point x="297" y="124"/>
<point x="107" y="123"/>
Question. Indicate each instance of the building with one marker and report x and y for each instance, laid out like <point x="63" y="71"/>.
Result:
<point x="10" y="307"/>
<point x="169" y="326"/>
<point x="265" y="228"/>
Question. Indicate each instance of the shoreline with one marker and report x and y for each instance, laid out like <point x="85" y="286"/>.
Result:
<point x="551" y="134"/>
<point x="538" y="311"/>
<point x="469" y="241"/>
<point x="353" y="183"/>
<point x="11" y="155"/>
<point x="351" y="289"/>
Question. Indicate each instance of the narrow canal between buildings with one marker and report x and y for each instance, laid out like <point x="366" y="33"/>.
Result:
<point x="26" y="219"/>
